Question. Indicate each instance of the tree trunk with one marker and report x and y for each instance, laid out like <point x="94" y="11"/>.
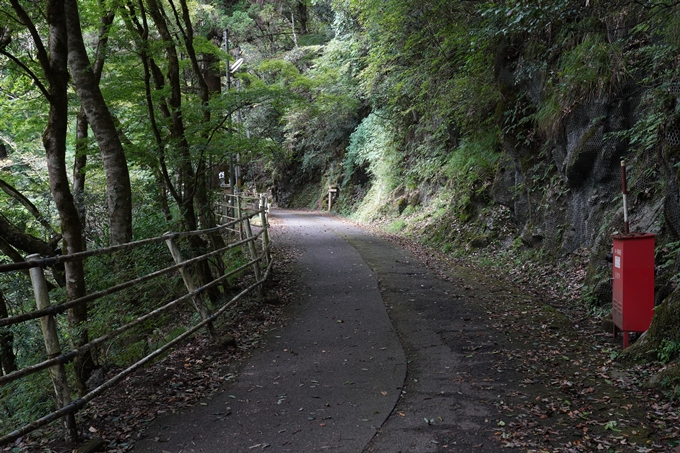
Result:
<point x="7" y="358"/>
<point x="205" y="211"/>
<point x="54" y="141"/>
<point x="82" y="125"/>
<point x="119" y="195"/>
<point x="303" y="16"/>
<point x="212" y="77"/>
<point x="185" y="197"/>
<point x="163" y="195"/>
<point x="79" y="164"/>
<point x="22" y="241"/>
<point x="53" y="61"/>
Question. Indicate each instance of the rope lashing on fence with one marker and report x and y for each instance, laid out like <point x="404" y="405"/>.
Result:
<point x="80" y="403"/>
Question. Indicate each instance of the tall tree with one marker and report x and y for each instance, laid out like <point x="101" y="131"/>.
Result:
<point x="118" y="190"/>
<point x="200" y="190"/>
<point x="53" y="62"/>
<point x="190" y="186"/>
<point x="185" y="196"/>
<point x="82" y="125"/>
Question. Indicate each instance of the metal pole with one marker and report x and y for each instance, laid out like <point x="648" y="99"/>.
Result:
<point x="48" y="326"/>
<point x="232" y="187"/>
<point x="238" y="215"/>
<point x="225" y="205"/>
<point x="625" y="193"/>
<point x="225" y="36"/>
<point x="232" y="178"/>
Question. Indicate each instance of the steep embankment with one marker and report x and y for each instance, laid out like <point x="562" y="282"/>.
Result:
<point x="499" y="130"/>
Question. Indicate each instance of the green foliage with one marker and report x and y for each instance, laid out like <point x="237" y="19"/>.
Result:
<point x="529" y="16"/>
<point x="474" y="160"/>
<point x="316" y="110"/>
<point x="668" y="350"/>
<point x="266" y="27"/>
<point x="25" y="400"/>
<point x="372" y="146"/>
<point x="412" y="94"/>
<point x="239" y="23"/>
<point x="396" y="226"/>
<point x="519" y="121"/>
<point x="428" y="63"/>
<point x="549" y="115"/>
<point x="22" y="113"/>
<point x="588" y="70"/>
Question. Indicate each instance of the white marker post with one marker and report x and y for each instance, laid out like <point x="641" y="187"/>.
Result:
<point x="625" y="193"/>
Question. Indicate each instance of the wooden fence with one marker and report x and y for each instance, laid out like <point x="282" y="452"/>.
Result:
<point x="255" y="245"/>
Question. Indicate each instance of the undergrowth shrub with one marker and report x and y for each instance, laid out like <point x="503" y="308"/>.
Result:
<point x="373" y="146"/>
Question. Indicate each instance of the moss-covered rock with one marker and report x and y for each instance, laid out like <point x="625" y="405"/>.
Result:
<point x="554" y="318"/>
<point x="479" y="242"/>
<point x="664" y="327"/>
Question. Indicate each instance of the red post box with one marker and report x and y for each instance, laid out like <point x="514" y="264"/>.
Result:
<point x="633" y="294"/>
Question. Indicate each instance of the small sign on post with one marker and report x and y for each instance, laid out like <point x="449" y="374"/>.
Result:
<point x="332" y="195"/>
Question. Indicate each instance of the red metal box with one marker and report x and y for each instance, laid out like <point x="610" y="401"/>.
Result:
<point x="633" y="292"/>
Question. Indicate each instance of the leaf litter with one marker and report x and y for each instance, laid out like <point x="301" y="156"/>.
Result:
<point x="187" y="376"/>
<point x="573" y="395"/>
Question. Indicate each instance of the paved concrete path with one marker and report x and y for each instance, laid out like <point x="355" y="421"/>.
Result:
<point x="335" y="378"/>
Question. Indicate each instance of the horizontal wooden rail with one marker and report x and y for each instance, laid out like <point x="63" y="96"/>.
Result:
<point x="70" y="355"/>
<point x="57" y="360"/>
<point x="80" y="403"/>
<point x="54" y="260"/>
<point x="61" y="308"/>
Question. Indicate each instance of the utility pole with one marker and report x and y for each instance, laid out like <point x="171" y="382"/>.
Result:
<point x="225" y="37"/>
<point x="232" y="175"/>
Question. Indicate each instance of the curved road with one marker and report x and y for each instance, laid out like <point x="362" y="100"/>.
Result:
<point x="336" y="378"/>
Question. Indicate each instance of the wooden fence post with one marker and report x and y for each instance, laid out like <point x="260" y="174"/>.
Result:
<point x="189" y="282"/>
<point x="48" y="326"/>
<point x="224" y="205"/>
<point x="265" y="229"/>
<point x="251" y="247"/>
<point x="239" y="213"/>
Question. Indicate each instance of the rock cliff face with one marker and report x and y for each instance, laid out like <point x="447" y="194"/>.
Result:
<point x="564" y="189"/>
<point x="564" y="192"/>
